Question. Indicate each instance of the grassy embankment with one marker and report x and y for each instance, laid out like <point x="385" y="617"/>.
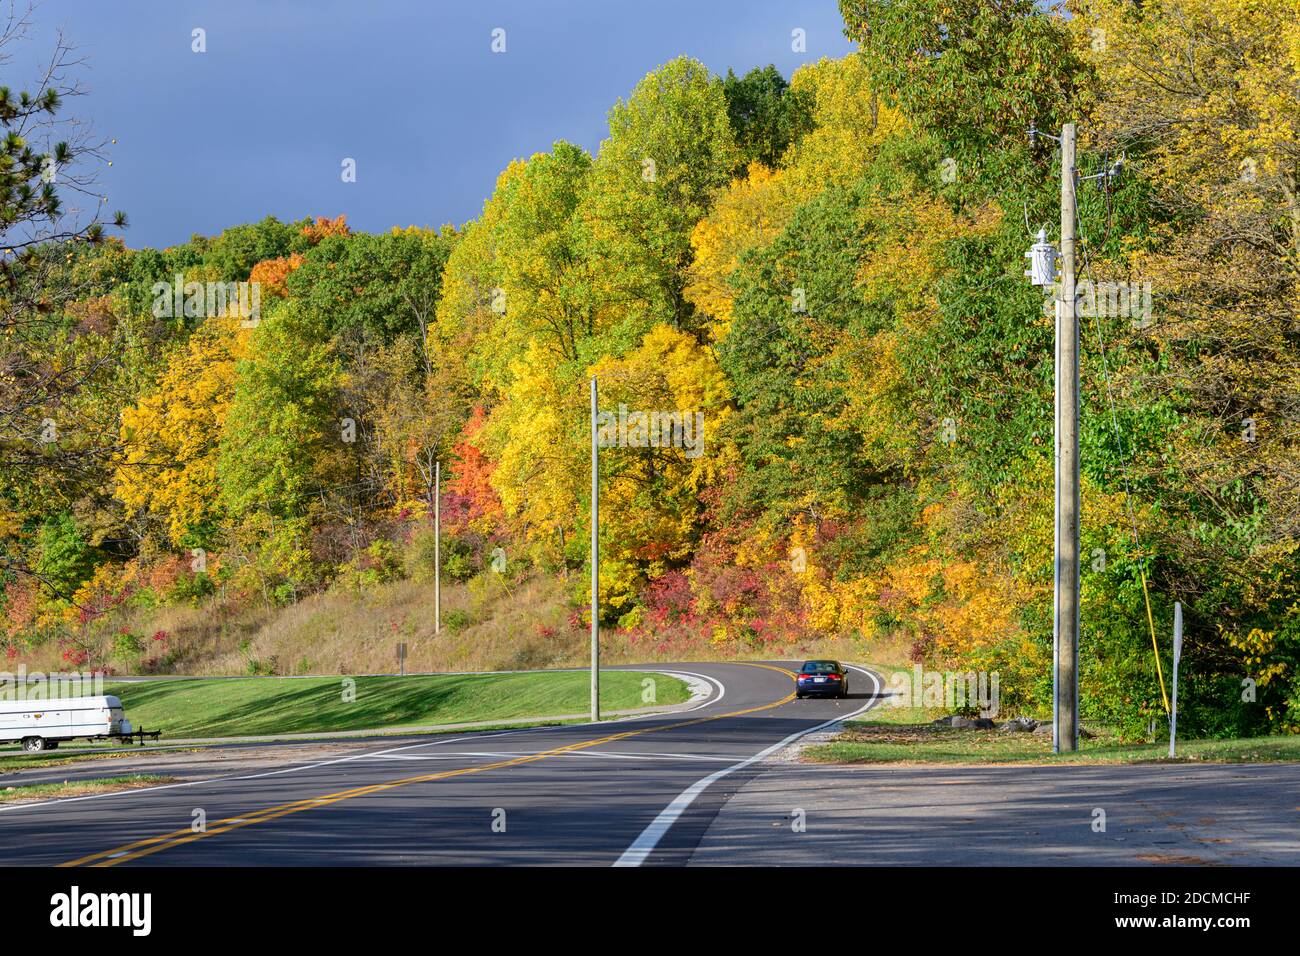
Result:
<point x="487" y="624"/>
<point x="241" y="706"/>
<point x="281" y="705"/>
<point x="270" y="705"/>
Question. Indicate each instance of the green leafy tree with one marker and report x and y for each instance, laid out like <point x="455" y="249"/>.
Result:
<point x="969" y="71"/>
<point x="235" y="251"/>
<point x="64" y="556"/>
<point x="281" y="442"/>
<point x="796" y="303"/>
<point x="670" y="147"/>
<point x="766" y="114"/>
<point x="381" y="284"/>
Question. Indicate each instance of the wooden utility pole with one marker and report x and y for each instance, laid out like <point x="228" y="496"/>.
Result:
<point x="595" y="560"/>
<point x="1065" y="612"/>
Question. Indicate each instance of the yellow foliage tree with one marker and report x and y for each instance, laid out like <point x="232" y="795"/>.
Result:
<point x="1206" y="96"/>
<point x="167" y="467"/>
<point x="665" y="402"/>
<point x="746" y="215"/>
<point x="538" y="440"/>
<point x="849" y="125"/>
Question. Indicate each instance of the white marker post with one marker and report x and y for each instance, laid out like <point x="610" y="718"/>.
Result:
<point x="1178" y="653"/>
<point x="595" y="561"/>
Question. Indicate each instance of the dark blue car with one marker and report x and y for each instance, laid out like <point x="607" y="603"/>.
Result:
<point x="822" y="679"/>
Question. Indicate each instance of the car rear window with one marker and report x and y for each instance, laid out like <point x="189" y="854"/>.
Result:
<point x="820" y="667"/>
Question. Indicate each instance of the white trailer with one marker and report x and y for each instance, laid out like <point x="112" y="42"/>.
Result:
<point x="43" y="724"/>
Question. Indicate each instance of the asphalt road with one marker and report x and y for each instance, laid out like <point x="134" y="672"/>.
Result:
<point x="636" y="791"/>
<point x="894" y="815"/>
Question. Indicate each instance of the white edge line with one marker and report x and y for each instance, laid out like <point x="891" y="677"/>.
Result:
<point x="645" y="844"/>
<point x="444" y="739"/>
<point x="722" y="690"/>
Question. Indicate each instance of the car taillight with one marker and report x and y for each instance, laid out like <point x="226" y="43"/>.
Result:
<point x="832" y="676"/>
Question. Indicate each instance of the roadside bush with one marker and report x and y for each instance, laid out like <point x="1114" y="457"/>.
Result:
<point x="458" y="559"/>
<point x="459" y="565"/>
<point x="419" y="554"/>
<point x="191" y="588"/>
<point x="379" y="563"/>
<point x="144" y="599"/>
<point x="456" y="620"/>
<point x="284" y="594"/>
<point x="127" y="646"/>
<point x="262" y="668"/>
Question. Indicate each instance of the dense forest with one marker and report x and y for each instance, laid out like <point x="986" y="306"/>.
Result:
<point x="827" y="273"/>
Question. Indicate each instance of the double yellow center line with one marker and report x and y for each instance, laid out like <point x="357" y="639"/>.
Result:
<point x="133" y="851"/>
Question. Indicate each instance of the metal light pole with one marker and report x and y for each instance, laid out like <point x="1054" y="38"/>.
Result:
<point x="437" y="547"/>
<point x="1065" y="613"/>
<point x="595" y="561"/>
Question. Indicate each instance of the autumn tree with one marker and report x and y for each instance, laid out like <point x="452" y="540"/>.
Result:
<point x="170" y="439"/>
<point x="670" y="146"/>
<point x="281" y="444"/>
<point x="418" y="417"/>
<point x="842" y="130"/>
<point x="1203" y="99"/>
<point x="545" y="282"/>
<point x="670" y="399"/>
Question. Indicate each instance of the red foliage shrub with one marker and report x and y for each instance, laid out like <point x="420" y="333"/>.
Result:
<point x="470" y="495"/>
<point x="668" y="599"/>
<point x="75" y="656"/>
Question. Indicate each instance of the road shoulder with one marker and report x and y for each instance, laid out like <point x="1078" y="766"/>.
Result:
<point x="799" y="814"/>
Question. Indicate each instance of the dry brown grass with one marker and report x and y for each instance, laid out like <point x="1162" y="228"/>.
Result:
<point x="199" y="633"/>
<point x="485" y="627"/>
<point x="490" y="623"/>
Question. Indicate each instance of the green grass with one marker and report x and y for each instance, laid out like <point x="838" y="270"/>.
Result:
<point x="80" y="788"/>
<point x="272" y="705"/>
<point x="904" y="734"/>
<point x="14" y="759"/>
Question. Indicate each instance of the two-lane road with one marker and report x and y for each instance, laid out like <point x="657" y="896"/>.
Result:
<point x="632" y="791"/>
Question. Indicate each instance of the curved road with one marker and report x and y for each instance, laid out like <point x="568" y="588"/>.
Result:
<point x="630" y="792"/>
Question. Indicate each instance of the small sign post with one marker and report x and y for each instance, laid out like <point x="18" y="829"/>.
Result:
<point x="401" y="659"/>
<point x="1178" y="653"/>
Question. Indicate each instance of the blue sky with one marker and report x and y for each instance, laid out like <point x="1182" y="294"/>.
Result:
<point x="260" y="123"/>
